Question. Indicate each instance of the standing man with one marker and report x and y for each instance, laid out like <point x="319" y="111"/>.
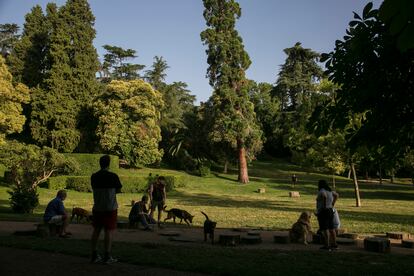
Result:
<point x="55" y="214"/>
<point x="158" y="196"/>
<point x="105" y="186"/>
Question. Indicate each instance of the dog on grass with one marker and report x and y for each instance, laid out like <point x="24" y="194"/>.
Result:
<point x="178" y="213"/>
<point x="80" y="214"/>
<point x="301" y="231"/>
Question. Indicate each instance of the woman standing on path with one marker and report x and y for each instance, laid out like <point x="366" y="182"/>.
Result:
<point x="325" y="201"/>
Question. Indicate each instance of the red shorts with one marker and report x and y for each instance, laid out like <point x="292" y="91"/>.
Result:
<point x="105" y="219"/>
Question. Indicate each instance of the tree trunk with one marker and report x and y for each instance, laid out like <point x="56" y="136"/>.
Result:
<point x="380" y="174"/>
<point x="392" y="176"/>
<point x="356" y="187"/>
<point x="366" y="175"/>
<point x="349" y="173"/>
<point x="243" y="174"/>
<point x="333" y="181"/>
<point x="226" y="163"/>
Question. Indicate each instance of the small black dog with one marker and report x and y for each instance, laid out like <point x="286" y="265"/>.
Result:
<point x="209" y="227"/>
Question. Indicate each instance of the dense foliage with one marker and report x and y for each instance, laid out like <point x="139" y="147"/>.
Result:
<point x="11" y="99"/>
<point x="128" y="114"/>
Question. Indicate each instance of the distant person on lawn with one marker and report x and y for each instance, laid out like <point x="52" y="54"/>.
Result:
<point x="158" y="197"/>
<point x="140" y="213"/>
<point x="105" y="186"/>
<point x="55" y="213"/>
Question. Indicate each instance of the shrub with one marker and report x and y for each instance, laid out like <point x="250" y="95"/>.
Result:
<point x="55" y="183"/>
<point x="89" y="163"/>
<point x="23" y="199"/>
<point x="79" y="183"/>
<point x="204" y="170"/>
<point x="134" y="184"/>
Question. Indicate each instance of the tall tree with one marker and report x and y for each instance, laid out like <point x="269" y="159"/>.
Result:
<point x="8" y="37"/>
<point x="297" y="76"/>
<point x="234" y="117"/>
<point x="268" y="111"/>
<point x="27" y="61"/>
<point x="11" y="99"/>
<point x="296" y="89"/>
<point x="115" y="66"/>
<point x="128" y="114"/>
<point x="70" y="82"/>
<point x="156" y="76"/>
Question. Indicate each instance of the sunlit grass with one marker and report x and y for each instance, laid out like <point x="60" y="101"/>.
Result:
<point x="384" y="207"/>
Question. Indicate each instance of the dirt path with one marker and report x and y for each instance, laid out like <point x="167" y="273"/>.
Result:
<point x="18" y="262"/>
<point x="193" y="236"/>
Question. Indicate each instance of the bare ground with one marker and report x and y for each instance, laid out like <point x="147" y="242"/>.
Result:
<point x="43" y="263"/>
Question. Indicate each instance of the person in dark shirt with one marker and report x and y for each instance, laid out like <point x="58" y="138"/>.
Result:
<point x="158" y="197"/>
<point x="139" y="213"/>
<point x="55" y="213"/>
<point x="105" y="186"/>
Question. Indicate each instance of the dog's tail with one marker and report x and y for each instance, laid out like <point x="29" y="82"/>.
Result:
<point x="164" y="208"/>
<point x="205" y="215"/>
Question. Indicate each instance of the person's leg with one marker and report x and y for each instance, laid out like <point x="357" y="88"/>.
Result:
<point x="143" y="220"/>
<point x="333" y="243"/>
<point x="94" y="242"/>
<point x="160" y="207"/>
<point x="65" y="225"/>
<point x="108" y="242"/>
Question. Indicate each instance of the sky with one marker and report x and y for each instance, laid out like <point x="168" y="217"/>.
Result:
<point x="171" y="29"/>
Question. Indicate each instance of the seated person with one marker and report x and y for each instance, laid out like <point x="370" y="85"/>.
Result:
<point x="55" y="214"/>
<point x="139" y="213"/>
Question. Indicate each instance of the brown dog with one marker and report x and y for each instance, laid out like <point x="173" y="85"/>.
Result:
<point x="178" y="213"/>
<point x="80" y="214"/>
<point x="301" y="231"/>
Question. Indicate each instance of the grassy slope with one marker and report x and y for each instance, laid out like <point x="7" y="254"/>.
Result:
<point x="385" y="208"/>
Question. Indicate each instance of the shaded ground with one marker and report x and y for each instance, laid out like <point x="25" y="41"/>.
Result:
<point x="19" y="262"/>
<point x="27" y="262"/>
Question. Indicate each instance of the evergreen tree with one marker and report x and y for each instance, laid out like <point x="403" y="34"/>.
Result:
<point x="11" y="99"/>
<point x="233" y="115"/>
<point x="70" y="83"/>
<point x="8" y="37"/>
<point x="296" y="89"/>
<point x="156" y="76"/>
<point x="114" y="66"/>
<point x="27" y="61"/>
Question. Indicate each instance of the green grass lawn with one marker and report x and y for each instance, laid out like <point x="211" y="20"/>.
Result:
<point x="384" y="207"/>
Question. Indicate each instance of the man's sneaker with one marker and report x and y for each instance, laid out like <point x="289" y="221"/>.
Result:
<point x="110" y="260"/>
<point x="96" y="259"/>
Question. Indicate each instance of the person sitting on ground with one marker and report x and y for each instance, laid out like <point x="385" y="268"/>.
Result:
<point x="55" y="214"/>
<point x="140" y="213"/>
<point x="158" y="197"/>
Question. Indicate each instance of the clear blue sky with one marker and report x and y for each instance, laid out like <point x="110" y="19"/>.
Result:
<point x="171" y="28"/>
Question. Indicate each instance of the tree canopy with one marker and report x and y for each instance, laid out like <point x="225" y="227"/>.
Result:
<point x="128" y="113"/>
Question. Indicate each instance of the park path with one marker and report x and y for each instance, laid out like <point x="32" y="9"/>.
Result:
<point x="193" y="236"/>
<point x="16" y="262"/>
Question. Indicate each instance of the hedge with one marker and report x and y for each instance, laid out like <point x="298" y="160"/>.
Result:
<point x="130" y="184"/>
<point x="89" y="163"/>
